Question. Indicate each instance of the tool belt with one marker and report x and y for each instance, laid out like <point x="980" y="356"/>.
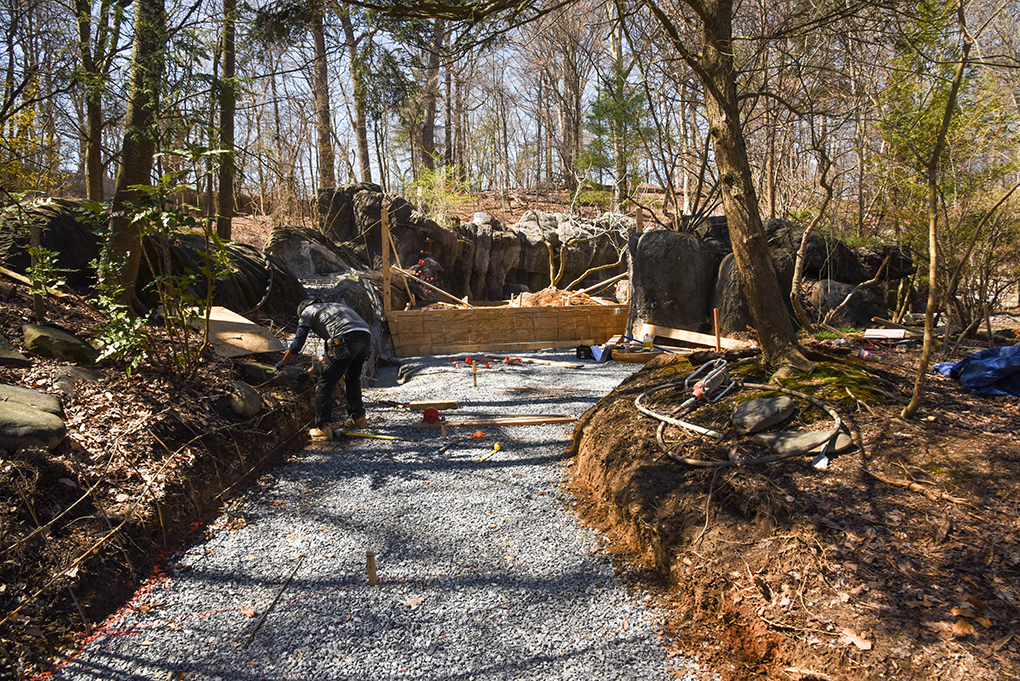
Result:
<point x="336" y="349"/>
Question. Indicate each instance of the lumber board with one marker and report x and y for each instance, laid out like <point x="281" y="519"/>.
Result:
<point x="531" y="360"/>
<point x="422" y="405"/>
<point x="691" y="337"/>
<point x="521" y="420"/>
<point x="893" y="325"/>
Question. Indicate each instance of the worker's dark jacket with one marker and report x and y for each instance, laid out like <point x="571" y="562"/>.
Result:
<point x="327" y="320"/>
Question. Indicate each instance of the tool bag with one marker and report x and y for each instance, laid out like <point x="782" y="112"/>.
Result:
<point x="336" y="349"/>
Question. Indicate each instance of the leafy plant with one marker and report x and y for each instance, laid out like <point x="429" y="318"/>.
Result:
<point x="178" y="348"/>
<point x="123" y="335"/>
<point x="438" y="193"/>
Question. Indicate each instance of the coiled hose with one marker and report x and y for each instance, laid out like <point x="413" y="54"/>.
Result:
<point x="665" y="420"/>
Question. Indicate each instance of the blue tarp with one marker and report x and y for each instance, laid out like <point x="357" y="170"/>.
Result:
<point x="991" y="372"/>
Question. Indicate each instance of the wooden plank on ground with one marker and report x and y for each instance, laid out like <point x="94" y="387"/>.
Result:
<point x="422" y="405"/>
<point x="691" y="337"/>
<point x="893" y="325"/>
<point x="884" y="334"/>
<point x="232" y="335"/>
<point x="521" y="420"/>
<point x="531" y="360"/>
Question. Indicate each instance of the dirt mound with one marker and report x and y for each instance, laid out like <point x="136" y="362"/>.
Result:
<point x="147" y="459"/>
<point x="900" y="560"/>
<point x="549" y="297"/>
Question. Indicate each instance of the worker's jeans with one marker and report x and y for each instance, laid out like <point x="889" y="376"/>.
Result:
<point x="358" y="344"/>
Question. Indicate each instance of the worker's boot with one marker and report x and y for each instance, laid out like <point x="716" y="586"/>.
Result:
<point x="324" y="433"/>
<point x="354" y="423"/>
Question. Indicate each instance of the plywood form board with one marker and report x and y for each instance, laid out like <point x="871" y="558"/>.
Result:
<point x="232" y="335"/>
<point x="691" y="337"/>
<point x="421" y="332"/>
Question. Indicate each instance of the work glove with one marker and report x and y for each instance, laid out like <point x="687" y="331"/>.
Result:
<point x="277" y="368"/>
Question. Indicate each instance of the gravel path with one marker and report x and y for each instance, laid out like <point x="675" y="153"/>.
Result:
<point x="483" y="572"/>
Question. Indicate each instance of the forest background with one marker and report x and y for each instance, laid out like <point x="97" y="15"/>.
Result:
<point x="874" y="121"/>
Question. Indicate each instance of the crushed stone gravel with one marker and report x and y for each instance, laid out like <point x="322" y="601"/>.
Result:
<point x="483" y="570"/>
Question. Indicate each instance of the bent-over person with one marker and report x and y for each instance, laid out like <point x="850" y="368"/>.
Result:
<point x="347" y="344"/>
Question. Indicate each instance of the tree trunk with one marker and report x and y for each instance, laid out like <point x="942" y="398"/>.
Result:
<point x="428" y="127"/>
<point x="228" y="104"/>
<point x="324" y="120"/>
<point x="932" y="167"/>
<point x="96" y="51"/>
<point x="140" y="134"/>
<point x="359" y="87"/>
<point x="750" y="246"/>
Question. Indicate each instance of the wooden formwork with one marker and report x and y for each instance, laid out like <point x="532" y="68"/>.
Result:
<point x="503" y="329"/>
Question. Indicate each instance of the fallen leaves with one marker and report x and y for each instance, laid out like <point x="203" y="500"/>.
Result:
<point x="414" y="602"/>
<point x="851" y="636"/>
<point x="248" y="612"/>
<point x="963" y="628"/>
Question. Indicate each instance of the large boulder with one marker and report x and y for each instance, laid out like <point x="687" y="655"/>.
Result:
<point x="55" y="343"/>
<point x="68" y="227"/>
<point x="729" y="298"/>
<point x="673" y="278"/>
<point x="260" y="285"/>
<point x="866" y="303"/>
<point x="353" y="217"/>
<point x="9" y="355"/>
<point x="25" y="426"/>
<point x="577" y="244"/>
<point x="715" y="230"/>
<point x="536" y="233"/>
<point x="31" y="398"/>
<point x="824" y="258"/>
<point x="309" y="253"/>
<point x="900" y="262"/>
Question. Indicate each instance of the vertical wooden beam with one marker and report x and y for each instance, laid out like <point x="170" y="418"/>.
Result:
<point x="386" y="295"/>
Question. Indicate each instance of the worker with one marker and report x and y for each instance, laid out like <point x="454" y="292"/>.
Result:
<point x="347" y="343"/>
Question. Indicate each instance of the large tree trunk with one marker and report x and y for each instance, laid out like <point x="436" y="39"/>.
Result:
<point x="750" y="247"/>
<point x="96" y="51"/>
<point x="359" y="87"/>
<point x="428" y="127"/>
<point x="228" y="103"/>
<point x="324" y="120"/>
<point x="140" y="135"/>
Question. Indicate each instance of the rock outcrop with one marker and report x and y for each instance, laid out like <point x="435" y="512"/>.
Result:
<point x="30" y="419"/>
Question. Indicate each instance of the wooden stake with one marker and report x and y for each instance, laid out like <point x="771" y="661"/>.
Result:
<point x="386" y="294"/>
<point x="474" y="372"/>
<point x="715" y="319"/>
<point x="373" y="578"/>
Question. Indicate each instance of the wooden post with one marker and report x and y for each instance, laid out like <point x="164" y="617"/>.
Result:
<point x="715" y="318"/>
<point x="387" y="297"/>
<point x="373" y="578"/>
<point x="640" y="216"/>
